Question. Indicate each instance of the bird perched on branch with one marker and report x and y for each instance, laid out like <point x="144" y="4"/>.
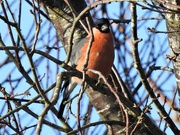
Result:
<point x="100" y="58"/>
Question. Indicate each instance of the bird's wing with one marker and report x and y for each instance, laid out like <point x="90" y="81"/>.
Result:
<point x="75" y="55"/>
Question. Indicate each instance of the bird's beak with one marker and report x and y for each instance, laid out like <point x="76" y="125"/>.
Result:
<point x="104" y="27"/>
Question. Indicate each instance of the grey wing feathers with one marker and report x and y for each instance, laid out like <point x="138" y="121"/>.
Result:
<point x="76" y="51"/>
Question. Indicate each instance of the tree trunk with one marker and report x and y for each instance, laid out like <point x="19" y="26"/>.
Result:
<point x="173" y="27"/>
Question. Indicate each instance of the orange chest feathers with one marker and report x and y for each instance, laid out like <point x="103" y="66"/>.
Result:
<point x="101" y="55"/>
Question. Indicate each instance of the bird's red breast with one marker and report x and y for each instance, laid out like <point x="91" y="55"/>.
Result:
<point x="101" y="55"/>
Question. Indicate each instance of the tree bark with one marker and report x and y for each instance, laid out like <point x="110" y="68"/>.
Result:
<point x="173" y="27"/>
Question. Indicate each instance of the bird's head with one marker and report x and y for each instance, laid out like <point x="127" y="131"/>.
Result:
<point x="102" y="25"/>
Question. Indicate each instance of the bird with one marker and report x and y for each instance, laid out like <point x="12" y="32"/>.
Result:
<point x="101" y="57"/>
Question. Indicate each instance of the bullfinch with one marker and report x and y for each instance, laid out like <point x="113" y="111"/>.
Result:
<point x="101" y="57"/>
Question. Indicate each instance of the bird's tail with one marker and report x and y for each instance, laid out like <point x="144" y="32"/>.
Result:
<point x="62" y="107"/>
<point x="68" y="88"/>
